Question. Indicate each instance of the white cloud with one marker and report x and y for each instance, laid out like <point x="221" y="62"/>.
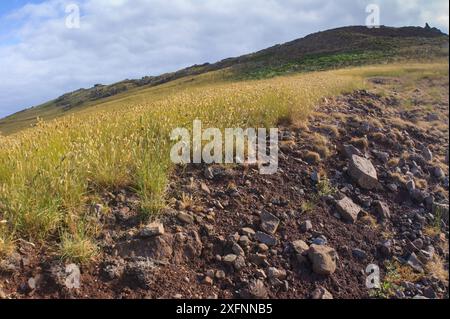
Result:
<point x="131" y="38"/>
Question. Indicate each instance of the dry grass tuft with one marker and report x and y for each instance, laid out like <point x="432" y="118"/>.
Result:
<point x="421" y="183"/>
<point x="360" y="142"/>
<point x="437" y="268"/>
<point x="370" y="221"/>
<point x="399" y="178"/>
<point x="311" y="157"/>
<point x="331" y="130"/>
<point x="393" y="162"/>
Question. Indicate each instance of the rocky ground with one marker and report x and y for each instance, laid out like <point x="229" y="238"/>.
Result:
<point x="365" y="181"/>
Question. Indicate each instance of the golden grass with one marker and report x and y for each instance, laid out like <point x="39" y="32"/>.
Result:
<point x="436" y="267"/>
<point x="432" y="231"/>
<point x="370" y="221"/>
<point x="393" y="162"/>
<point x="361" y="143"/>
<point x="421" y="183"/>
<point x="311" y="157"/>
<point x="48" y="174"/>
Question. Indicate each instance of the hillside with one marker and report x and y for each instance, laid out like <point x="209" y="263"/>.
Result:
<point x="92" y="204"/>
<point x="337" y="48"/>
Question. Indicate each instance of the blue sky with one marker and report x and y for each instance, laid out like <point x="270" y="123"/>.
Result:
<point x="8" y="5"/>
<point x="6" y="25"/>
<point x="40" y="58"/>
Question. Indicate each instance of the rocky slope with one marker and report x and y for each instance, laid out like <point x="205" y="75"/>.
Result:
<point x="365" y="181"/>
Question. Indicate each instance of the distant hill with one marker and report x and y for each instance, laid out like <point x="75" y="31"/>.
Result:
<point x="336" y="48"/>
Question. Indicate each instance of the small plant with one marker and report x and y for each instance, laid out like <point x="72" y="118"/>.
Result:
<point x="395" y="275"/>
<point x="187" y="201"/>
<point x="77" y="248"/>
<point x="308" y="206"/>
<point x="388" y="286"/>
<point x="324" y="188"/>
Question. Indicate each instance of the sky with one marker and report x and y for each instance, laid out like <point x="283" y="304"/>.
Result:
<point x="41" y="57"/>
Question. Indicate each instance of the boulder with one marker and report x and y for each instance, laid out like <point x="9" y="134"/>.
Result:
<point x="363" y="172"/>
<point x="323" y="259"/>
<point x="348" y="210"/>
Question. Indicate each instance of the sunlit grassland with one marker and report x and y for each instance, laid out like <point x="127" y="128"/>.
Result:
<point x="50" y="174"/>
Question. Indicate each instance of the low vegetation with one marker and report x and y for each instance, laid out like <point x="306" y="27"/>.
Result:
<point x="52" y="173"/>
<point x="49" y="174"/>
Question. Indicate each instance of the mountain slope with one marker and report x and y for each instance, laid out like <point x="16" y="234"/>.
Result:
<point x="347" y="46"/>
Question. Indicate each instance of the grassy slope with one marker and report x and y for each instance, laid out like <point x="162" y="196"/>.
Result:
<point x="333" y="49"/>
<point x="50" y="174"/>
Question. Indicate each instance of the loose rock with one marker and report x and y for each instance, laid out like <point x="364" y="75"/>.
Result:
<point x="321" y="293"/>
<point x="363" y="172"/>
<point x="151" y="230"/>
<point x="264" y="238"/>
<point x="348" y="210"/>
<point x="323" y="259"/>
<point x="269" y="222"/>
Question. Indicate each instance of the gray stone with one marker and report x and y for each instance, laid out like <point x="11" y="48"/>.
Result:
<point x="152" y="229"/>
<point x="415" y="263"/>
<point x="185" y="218"/>
<point x="269" y="222"/>
<point x="385" y="248"/>
<point x="383" y="210"/>
<point x="438" y="172"/>
<point x="363" y="172"/>
<point x="248" y="231"/>
<point x="382" y="156"/>
<point x="433" y="117"/>
<point x="267" y="239"/>
<point x="418" y="196"/>
<point x="140" y="272"/>
<point x="306" y="226"/>
<point x="244" y="240"/>
<point x="256" y="290"/>
<point x="321" y="240"/>
<point x="392" y="187"/>
<point x="238" y="250"/>
<point x="31" y="284"/>
<point x="315" y="177"/>
<point x="229" y="259"/>
<point x="239" y="263"/>
<point x="410" y="186"/>
<point x="66" y="277"/>
<point x="359" y="254"/>
<point x="350" y="150"/>
<point x="275" y="273"/>
<point x="427" y="154"/>
<point x="348" y="210"/>
<point x="258" y="259"/>
<point x="321" y="293"/>
<point x="220" y="274"/>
